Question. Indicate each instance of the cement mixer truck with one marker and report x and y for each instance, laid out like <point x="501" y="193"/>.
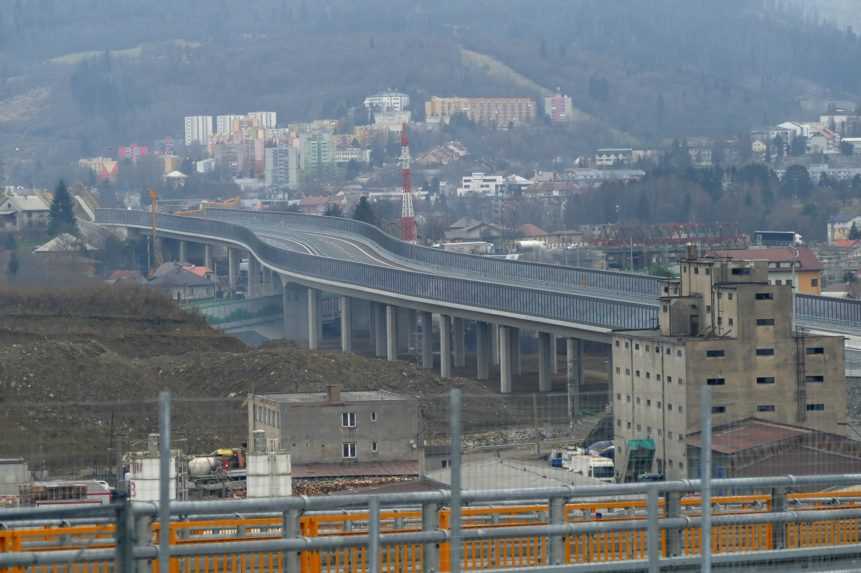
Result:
<point x="219" y="474"/>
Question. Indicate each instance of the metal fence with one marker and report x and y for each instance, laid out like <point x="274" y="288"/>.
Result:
<point x="528" y="302"/>
<point x="627" y="527"/>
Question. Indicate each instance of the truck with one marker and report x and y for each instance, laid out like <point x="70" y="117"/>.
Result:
<point x="589" y="465"/>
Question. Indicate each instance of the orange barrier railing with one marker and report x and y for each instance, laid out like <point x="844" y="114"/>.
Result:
<point x="478" y="554"/>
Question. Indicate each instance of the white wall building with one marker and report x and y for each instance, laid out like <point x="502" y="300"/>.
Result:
<point x="388" y="101"/>
<point x="265" y="119"/>
<point x="225" y="124"/>
<point x="198" y="129"/>
<point x="480" y="183"/>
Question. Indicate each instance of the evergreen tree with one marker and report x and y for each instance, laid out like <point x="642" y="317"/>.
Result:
<point x="62" y="214"/>
<point x="333" y="210"/>
<point x="854" y="233"/>
<point x="364" y="212"/>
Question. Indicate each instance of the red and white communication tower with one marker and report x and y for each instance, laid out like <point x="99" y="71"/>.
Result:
<point x="408" y="213"/>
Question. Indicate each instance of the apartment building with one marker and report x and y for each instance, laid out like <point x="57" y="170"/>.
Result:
<point x="492" y="111"/>
<point x="725" y="325"/>
<point x="388" y="101"/>
<point x="198" y="129"/>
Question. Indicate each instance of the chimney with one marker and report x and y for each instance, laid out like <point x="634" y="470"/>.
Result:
<point x="333" y="393"/>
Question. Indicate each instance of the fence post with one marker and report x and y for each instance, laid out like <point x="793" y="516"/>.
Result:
<point x="124" y="534"/>
<point x="430" y="522"/>
<point x="374" y="535"/>
<point x="673" y="504"/>
<point x="143" y="536"/>
<point x="557" y="542"/>
<point x="778" y="530"/>
<point x="455" y="547"/>
<point x="290" y="530"/>
<point x="653" y="533"/>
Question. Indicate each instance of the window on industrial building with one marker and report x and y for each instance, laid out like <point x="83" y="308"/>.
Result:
<point x="729" y="296"/>
<point x="665" y="308"/>
<point x="670" y="435"/>
<point x="618" y="396"/>
<point x="658" y="405"/>
<point x="627" y="371"/>
<point x="681" y="465"/>
<point x="373" y="416"/>
<point x="669" y="379"/>
<point x="658" y="377"/>
<point x="816" y="350"/>
<point x="741" y="271"/>
<point x="764" y="296"/>
<point x="649" y="430"/>
<point x="814" y="379"/>
<point x="788" y="282"/>
<point x="714" y="353"/>
<point x="628" y="398"/>
<point x="682" y="437"/>
<point x="619" y="422"/>
<point x="638" y="399"/>
<point x="765" y="322"/>
<point x="617" y="344"/>
<point x="765" y="380"/>
<point x="718" y="409"/>
<point x="636" y="347"/>
<point x="348" y="419"/>
<point x="669" y="351"/>
<point x="816" y="407"/>
<point x="373" y="446"/>
<point x="648" y="349"/>
<point x="765" y="351"/>
<point x="648" y="402"/>
<point x="679" y="353"/>
<point x="626" y="344"/>
<point x="648" y="375"/>
<point x="731" y="322"/>
<point x="669" y="407"/>
<point x="765" y="408"/>
<point x="637" y="372"/>
<point x="629" y="425"/>
<point x="716" y="381"/>
<point x="696" y="270"/>
<point x="814" y="282"/>
<point x="639" y="427"/>
<point x="708" y="271"/>
<point x="618" y="370"/>
<point x="681" y="381"/>
<point x="681" y="408"/>
<point x="708" y="308"/>
<point x="657" y="349"/>
<point x="348" y="450"/>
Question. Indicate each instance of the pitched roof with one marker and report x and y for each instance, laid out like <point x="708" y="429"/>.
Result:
<point x="65" y="243"/>
<point x="804" y="255"/>
<point x="748" y="434"/>
<point x="530" y="230"/>
<point x="28" y="203"/>
<point x="177" y="275"/>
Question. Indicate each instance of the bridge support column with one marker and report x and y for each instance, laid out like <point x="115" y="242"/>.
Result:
<point x="514" y="340"/>
<point x="459" y="342"/>
<point x="554" y="350"/>
<point x="545" y="355"/>
<point x="232" y="268"/>
<point x="505" y="361"/>
<point x="183" y="251"/>
<point x="346" y="324"/>
<point x="494" y="343"/>
<point x="406" y="325"/>
<point x="207" y="257"/>
<point x="266" y="282"/>
<point x="294" y="299"/>
<point x="253" y="290"/>
<point x="379" y="313"/>
<point x="426" y="319"/>
<point x="444" y="346"/>
<point x="574" y="363"/>
<point x="391" y="333"/>
<point x="314" y="322"/>
<point x="482" y="350"/>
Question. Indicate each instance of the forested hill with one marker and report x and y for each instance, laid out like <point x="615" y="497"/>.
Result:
<point x="654" y="69"/>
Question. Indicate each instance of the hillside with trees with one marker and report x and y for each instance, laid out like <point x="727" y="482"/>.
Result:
<point x="77" y="78"/>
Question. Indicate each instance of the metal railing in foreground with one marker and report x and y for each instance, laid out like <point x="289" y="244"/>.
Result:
<point x="628" y="527"/>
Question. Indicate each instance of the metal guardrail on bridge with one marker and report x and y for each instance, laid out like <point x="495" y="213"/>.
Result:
<point x="527" y="302"/>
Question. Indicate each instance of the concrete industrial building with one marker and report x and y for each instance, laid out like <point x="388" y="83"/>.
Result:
<point x="723" y="324"/>
<point x="198" y="129"/>
<point x="336" y="427"/>
<point x="493" y="111"/>
<point x="797" y="267"/>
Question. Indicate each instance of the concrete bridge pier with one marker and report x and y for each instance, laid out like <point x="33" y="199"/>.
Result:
<point x="232" y="267"/>
<point x="207" y="256"/>
<point x="253" y="290"/>
<point x="574" y="363"/>
<point x="514" y="341"/>
<point x="426" y="323"/>
<point x="554" y="354"/>
<point x="294" y="300"/>
<point x="346" y="324"/>
<point x="494" y="343"/>
<point x="379" y="313"/>
<point x="391" y="333"/>
<point x="545" y="356"/>
<point x="406" y="325"/>
<point x="459" y="342"/>
<point x="314" y="319"/>
<point x="506" y="345"/>
<point x="445" y="346"/>
<point x="482" y="349"/>
<point x="183" y="251"/>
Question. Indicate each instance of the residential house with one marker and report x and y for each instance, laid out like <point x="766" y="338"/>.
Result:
<point x="72" y="253"/>
<point x="181" y="283"/>
<point x="467" y="229"/>
<point x="840" y="227"/>
<point x="797" y="267"/>
<point x="614" y="157"/>
<point x="480" y="183"/>
<point x="23" y="212"/>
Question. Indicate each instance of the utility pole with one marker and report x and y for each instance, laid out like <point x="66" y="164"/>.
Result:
<point x="154" y="246"/>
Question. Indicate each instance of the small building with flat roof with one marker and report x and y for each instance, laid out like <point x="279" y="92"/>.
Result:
<point x="337" y="433"/>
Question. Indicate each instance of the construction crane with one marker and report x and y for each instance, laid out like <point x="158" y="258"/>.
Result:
<point x="408" y="213"/>
<point x="154" y="245"/>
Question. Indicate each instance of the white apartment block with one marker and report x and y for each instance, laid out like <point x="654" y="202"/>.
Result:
<point x="388" y="101"/>
<point x="198" y="129"/>
<point x="481" y="184"/>
<point x="226" y="124"/>
<point x="264" y="119"/>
